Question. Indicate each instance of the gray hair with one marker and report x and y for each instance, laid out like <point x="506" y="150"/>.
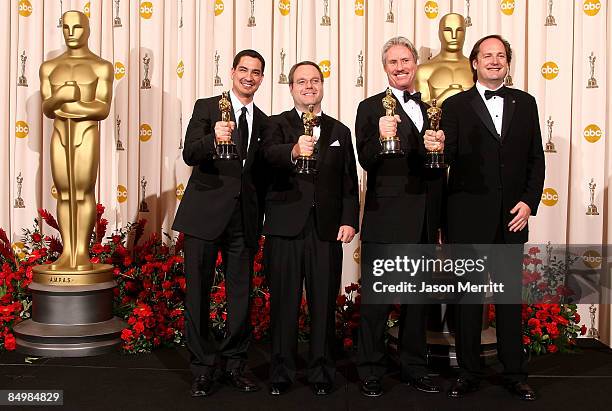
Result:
<point x="399" y="41"/>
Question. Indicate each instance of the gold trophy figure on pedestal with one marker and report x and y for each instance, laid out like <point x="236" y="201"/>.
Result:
<point x="592" y="208"/>
<point x="226" y="150"/>
<point x="306" y="164"/>
<point x="390" y="144"/>
<point x="72" y="298"/>
<point x="550" y="146"/>
<point x="76" y="91"/>
<point x="448" y="73"/>
<point x="434" y="159"/>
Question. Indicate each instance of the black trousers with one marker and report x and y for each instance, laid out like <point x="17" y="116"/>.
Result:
<point x="200" y="259"/>
<point x="371" y="347"/>
<point x="290" y="261"/>
<point x="508" y="329"/>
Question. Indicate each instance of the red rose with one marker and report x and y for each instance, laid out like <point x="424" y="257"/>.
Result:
<point x="526" y="340"/>
<point x="9" y="342"/>
<point x="576" y="317"/>
<point x="257" y="281"/>
<point x="139" y="327"/>
<point x="37" y="238"/>
<point x="583" y="330"/>
<point x="552" y="348"/>
<point x="348" y="343"/>
<point x="126" y="334"/>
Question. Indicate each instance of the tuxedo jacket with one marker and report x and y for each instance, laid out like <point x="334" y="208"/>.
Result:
<point x="215" y="186"/>
<point x="491" y="173"/>
<point x="333" y="191"/>
<point x="403" y="199"/>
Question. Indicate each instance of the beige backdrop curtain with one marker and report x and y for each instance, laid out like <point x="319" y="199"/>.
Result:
<point x="168" y="53"/>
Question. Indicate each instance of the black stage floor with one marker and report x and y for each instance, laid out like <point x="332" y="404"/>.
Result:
<point x="161" y="381"/>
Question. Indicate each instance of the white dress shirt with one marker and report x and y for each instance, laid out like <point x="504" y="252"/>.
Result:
<point x="495" y="105"/>
<point x="411" y="107"/>
<point x="237" y="106"/>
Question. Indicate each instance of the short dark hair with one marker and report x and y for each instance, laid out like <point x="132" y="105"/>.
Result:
<point x="249" y="53"/>
<point x="304" y="63"/>
<point x="476" y="50"/>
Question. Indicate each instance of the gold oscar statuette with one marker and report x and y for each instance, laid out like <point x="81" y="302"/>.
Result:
<point x="325" y="19"/>
<point x="592" y="208"/>
<point x="434" y="159"/>
<point x="390" y="144"/>
<point x="282" y="78"/>
<point x="307" y="164"/>
<point x="251" y="22"/>
<point x="390" y="16"/>
<point x="226" y="150"/>
<point x="592" y="81"/>
<point x="218" y="82"/>
<point x="550" y="146"/>
<point x="550" y="19"/>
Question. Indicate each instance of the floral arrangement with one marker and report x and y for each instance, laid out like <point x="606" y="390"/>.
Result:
<point x="151" y="291"/>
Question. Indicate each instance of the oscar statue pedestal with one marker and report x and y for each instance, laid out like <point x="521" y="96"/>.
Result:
<point x="72" y="314"/>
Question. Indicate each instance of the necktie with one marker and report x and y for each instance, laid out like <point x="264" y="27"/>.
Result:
<point x="500" y="92"/>
<point x="243" y="132"/>
<point x="416" y="96"/>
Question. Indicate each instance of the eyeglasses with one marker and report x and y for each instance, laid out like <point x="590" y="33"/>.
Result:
<point x="303" y="82"/>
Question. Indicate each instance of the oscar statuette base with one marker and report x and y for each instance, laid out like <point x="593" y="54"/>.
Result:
<point x="74" y="319"/>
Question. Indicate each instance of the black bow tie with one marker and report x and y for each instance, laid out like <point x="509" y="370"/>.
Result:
<point x="500" y="92"/>
<point x="416" y="96"/>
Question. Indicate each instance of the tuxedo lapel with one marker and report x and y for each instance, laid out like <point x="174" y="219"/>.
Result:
<point x="324" y="137"/>
<point x="403" y="127"/>
<point x="481" y="111"/>
<point x="509" y="106"/>
<point x="254" y="138"/>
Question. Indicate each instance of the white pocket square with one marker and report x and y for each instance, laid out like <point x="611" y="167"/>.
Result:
<point x="335" y="144"/>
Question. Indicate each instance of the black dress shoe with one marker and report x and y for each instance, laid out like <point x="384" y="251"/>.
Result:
<point x="239" y="381"/>
<point x="201" y="386"/>
<point x="522" y="391"/>
<point x="371" y="388"/>
<point x="424" y="384"/>
<point x="278" y="388"/>
<point x="460" y="387"/>
<point x="322" y="388"/>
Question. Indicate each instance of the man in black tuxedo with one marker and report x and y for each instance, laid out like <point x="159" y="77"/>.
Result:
<point x="308" y="217"/>
<point x="494" y="148"/>
<point x="221" y="210"/>
<point x="402" y="206"/>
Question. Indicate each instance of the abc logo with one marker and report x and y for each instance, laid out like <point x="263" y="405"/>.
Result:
<point x="591" y="7"/>
<point x="431" y="9"/>
<point x="591" y="259"/>
<point x="550" y="197"/>
<point x="592" y="133"/>
<point x="145" y="132"/>
<point x="507" y="7"/>
<point x="121" y="194"/>
<point x="550" y="70"/>
<point x="86" y="9"/>
<point x="359" y="7"/>
<point x="19" y="249"/>
<point x="357" y="255"/>
<point x="54" y="192"/>
<point x="180" y="190"/>
<point x="119" y="70"/>
<point x="284" y="6"/>
<point x="325" y="67"/>
<point x="146" y="9"/>
<point x="21" y="129"/>
<point x="25" y="8"/>
<point x="180" y="69"/>
<point x="219" y="7"/>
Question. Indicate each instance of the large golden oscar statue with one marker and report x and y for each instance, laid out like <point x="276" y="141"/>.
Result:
<point x="449" y="72"/>
<point x="72" y="298"/>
